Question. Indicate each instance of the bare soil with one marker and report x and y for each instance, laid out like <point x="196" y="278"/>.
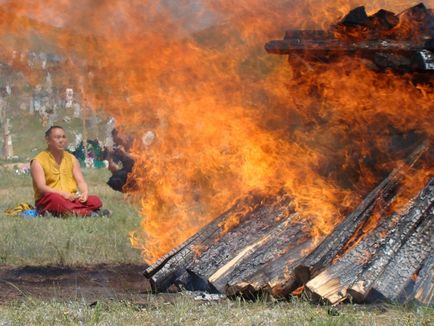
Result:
<point x="92" y="283"/>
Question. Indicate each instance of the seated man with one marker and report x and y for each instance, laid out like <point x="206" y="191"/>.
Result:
<point x="58" y="182"/>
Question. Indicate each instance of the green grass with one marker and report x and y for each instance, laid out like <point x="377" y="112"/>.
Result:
<point x="66" y="241"/>
<point x="88" y="241"/>
<point x="183" y="310"/>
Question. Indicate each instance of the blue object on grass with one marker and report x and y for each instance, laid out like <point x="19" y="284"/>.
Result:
<point x="29" y="213"/>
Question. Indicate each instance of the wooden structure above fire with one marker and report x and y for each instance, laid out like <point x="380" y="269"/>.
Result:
<point x="401" y="42"/>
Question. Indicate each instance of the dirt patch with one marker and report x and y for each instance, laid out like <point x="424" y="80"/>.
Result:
<point x="119" y="282"/>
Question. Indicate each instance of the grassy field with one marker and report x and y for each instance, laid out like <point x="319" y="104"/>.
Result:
<point x="185" y="311"/>
<point x="66" y="241"/>
<point x="87" y="241"/>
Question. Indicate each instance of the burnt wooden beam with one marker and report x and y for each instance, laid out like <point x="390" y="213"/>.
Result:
<point x="332" y="284"/>
<point x="366" y="48"/>
<point x="286" y="237"/>
<point x="239" y="242"/>
<point x="398" y="236"/>
<point x="423" y="289"/>
<point x="281" y="275"/>
<point x="206" y="232"/>
<point x="397" y="55"/>
<point x="174" y="265"/>
<point x="391" y="285"/>
<point x="332" y="246"/>
<point x="270" y="269"/>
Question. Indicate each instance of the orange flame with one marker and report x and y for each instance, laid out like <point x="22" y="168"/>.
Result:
<point x="229" y="119"/>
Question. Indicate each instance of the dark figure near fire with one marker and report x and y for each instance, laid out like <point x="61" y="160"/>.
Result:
<point x="58" y="183"/>
<point x="120" y="162"/>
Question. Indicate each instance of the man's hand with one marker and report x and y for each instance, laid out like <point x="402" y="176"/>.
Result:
<point x="83" y="197"/>
<point x="68" y="196"/>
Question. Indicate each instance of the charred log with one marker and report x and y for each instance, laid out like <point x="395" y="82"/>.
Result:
<point x="401" y="42"/>
<point x="208" y="230"/>
<point x="423" y="289"/>
<point x="238" y="244"/>
<point x="384" y="20"/>
<point x="357" y="16"/>
<point x="332" y="284"/>
<point x="174" y="264"/>
<point x="365" y="48"/>
<point x="398" y="236"/>
<point x="391" y="286"/>
<point x="270" y="270"/>
<point x="332" y="246"/>
<point x="286" y="237"/>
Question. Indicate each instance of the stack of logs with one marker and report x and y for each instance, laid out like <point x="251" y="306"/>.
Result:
<point x="403" y="42"/>
<point x="269" y="250"/>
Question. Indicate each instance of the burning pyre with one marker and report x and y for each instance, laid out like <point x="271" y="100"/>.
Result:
<point x="237" y="130"/>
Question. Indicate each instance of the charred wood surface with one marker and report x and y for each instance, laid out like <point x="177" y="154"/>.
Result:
<point x="285" y="238"/>
<point x="391" y="286"/>
<point x="332" y="246"/>
<point x="397" y="237"/>
<point x="366" y="48"/>
<point x="271" y="268"/>
<point x="370" y="257"/>
<point x="172" y="265"/>
<point x="241" y="219"/>
<point x="205" y="232"/>
<point x="332" y="283"/>
<point x="240" y="242"/>
<point x="407" y="48"/>
<point x="423" y="289"/>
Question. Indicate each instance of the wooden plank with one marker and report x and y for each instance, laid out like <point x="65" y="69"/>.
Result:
<point x="270" y="269"/>
<point x="176" y="265"/>
<point x="390" y="286"/>
<point x="239" y="242"/>
<point x="367" y="48"/>
<point x="332" y="284"/>
<point x="423" y="289"/>
<point x="266" y="252"/>
<point x="207" y="231"/>
<point x="392" y="244"/>
<point x="335" y="243"/>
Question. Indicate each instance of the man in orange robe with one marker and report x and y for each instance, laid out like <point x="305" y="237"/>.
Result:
<point x="58" y="182"/>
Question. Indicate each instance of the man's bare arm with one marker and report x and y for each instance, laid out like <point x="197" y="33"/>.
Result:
<point x="81" y="183"/>
<point x="38" y="177"/>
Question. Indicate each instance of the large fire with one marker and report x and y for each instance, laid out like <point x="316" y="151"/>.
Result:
<point x="229" y="119"/>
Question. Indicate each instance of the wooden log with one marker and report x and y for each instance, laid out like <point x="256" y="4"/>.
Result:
<point x="277" y="275"/>
<point x="282" y="239"/>
<point x="204" y="233"/>
<point x="391" y="285"/>
<point x="332" y="246"/>
<point x="384" y="20"/>
<point x="423" y="289"/>
<point x="397" y="237"/>
<point x="175" y="264"/>
<point x="397" y="55"/>
<point x="357" y="16"/>
<point x="270" y="268"/>
<point x="301" y="34"/>
<point x="332" y="284"/>
<point x="238" y="243"/>
<point x="366" y="48"/>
